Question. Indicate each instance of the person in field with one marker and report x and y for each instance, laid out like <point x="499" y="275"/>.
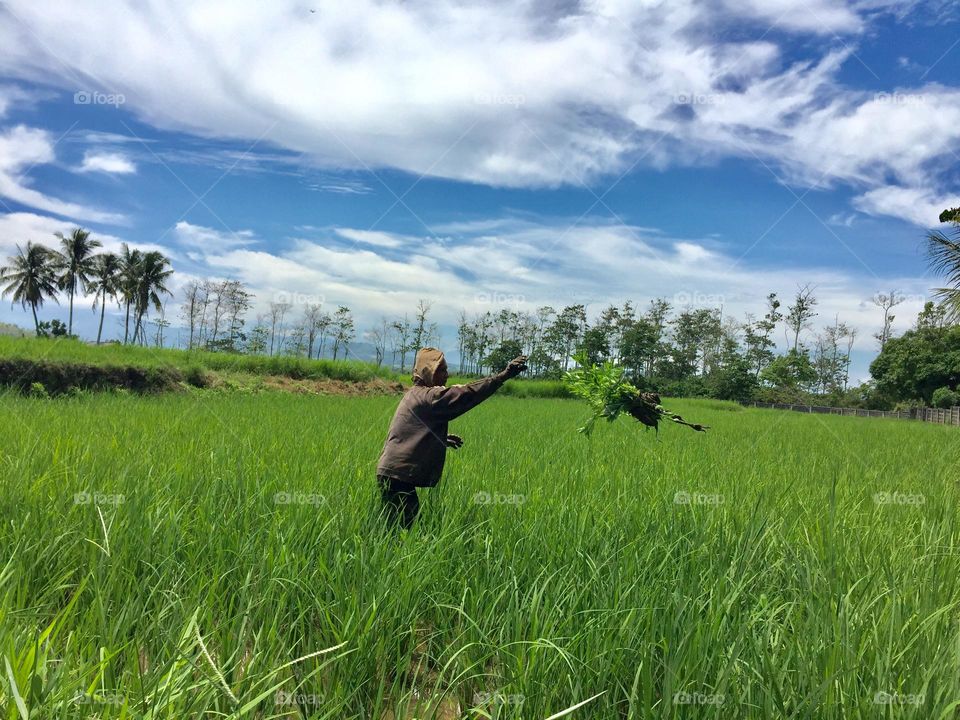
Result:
<point x="417" y="442"/>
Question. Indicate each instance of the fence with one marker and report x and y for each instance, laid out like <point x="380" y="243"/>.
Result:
<point x="943" y="416"/>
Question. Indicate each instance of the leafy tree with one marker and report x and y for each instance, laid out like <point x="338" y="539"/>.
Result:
<point x="734" y="379"/>
<point x="945" y="398"/>
<point x="419" y="330"/>
<point x="30" y="278"/>
<point x="566" y="331"/>
<point x="104" y="282"/>
<point x="800" y="314"/>
<point x="758" y="336"/>
<point x="152" y="273"/>
<point x="595" y="345"/>
<point x="343" y="330"/>
<point x="792" y="371"/>
<point x="913" y="366"/>
<point x="130" y="260"/>
<point x="638" y="345"/>
<point x="400" y="339"/>
<point x="503" y="353"/>
<point x="932" y="316"/>
<point x="54" y="328"/>
<point x="74" y="262"/>
<point x="257" y="339"/>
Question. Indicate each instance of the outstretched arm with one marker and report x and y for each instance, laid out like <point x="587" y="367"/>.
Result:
<point x="454" y="401"/>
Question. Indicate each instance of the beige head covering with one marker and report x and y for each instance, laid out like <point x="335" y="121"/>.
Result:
<point x="426" y="364"/>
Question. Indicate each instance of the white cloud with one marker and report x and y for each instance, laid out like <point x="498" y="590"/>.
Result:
<point x="17" y="228"/>
<point x="11" y="96"/>
<point x="916" y="204"/>
<point x="21" y="149"/>
<point x="208" y="240"/>
<point x="521" y="264"/>
<point x="513" y="94"/>
<point x="114" y="163"/>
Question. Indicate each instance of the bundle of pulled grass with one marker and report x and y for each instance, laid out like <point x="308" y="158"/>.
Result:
<point x="610" y="395"/>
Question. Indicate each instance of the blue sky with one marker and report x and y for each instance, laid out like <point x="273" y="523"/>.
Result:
<point x="522" y="153"/>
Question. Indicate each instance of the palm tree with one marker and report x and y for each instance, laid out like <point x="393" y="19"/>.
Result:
<point x="154" y="270"/>
<point x="944" y="254"/>
<point x="130" y="261"/>
<point x="74" y="264"/>
<point x="32" y="277"/>
<point x="104" y="281"/>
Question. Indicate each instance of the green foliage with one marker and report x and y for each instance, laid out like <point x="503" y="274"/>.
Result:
<point x="53" y="329"/>
<point x="604" y="387"/>
<point x="945" y="398"/>
<point x="59" y="350"/>
<point x="735" y="380"/>
<point x="609" y="395"/>
<point x="149" y="571"/>
<point x="38" y="390"/>
<point x="502" y="354"/>
<point x="914" y="365"/>
<point x="792" y="371"/>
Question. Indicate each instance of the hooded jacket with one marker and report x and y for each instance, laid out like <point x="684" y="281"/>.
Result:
<point x="416" y="445"/>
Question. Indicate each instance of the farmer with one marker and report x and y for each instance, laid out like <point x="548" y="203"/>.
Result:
<point x="417" y="442"/>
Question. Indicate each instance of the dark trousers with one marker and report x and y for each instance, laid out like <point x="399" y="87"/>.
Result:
<point x="400" y="501"/>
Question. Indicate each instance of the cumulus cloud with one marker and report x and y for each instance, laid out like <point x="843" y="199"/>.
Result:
<point x="208" y="241"/>
<point x="524" y="265"/>
<point x="510" y="94"/>
<point x="919" y="205"/>
<point x="16" y="228"/>
<point x="112" y="163"/>
<point x="21" y="149"/>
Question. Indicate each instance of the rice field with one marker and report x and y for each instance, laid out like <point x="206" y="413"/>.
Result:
<point x="219" y="555"/>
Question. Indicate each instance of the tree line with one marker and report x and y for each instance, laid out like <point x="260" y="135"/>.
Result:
<point x="134" y="279"/>
<point x="680" y="351"/>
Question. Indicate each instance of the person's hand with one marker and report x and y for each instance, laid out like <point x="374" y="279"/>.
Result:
<point x="454" y="441"/>
<point x="516" y="366"/>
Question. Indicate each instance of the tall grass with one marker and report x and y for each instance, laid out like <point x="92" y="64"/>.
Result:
<point x="813" y="572"/>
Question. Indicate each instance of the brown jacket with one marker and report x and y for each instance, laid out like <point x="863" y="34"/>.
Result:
<point x="416" y="445"/>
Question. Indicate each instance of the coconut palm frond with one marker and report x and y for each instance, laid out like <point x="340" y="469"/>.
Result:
<point x="950" y="302"/>
<point x="944" y="254"/>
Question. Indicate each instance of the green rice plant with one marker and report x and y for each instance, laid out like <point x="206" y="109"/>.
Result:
<point x="220" y="555"/>
<point x="609" y="394"/>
